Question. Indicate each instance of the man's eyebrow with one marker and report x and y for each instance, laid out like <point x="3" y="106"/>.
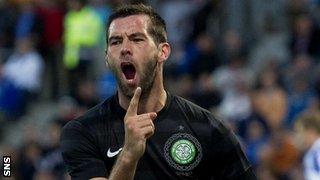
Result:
<point x="137" y="34"/>
<point x="133" y="35"/>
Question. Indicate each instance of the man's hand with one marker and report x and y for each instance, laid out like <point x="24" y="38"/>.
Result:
<point x="138" y="128"/>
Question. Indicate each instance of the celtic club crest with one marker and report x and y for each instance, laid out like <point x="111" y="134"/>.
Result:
<point x="183" y="152"/>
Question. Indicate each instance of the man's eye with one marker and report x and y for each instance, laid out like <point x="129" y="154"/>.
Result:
<point x="115" y="42"/>
<point x="137" y="39"/>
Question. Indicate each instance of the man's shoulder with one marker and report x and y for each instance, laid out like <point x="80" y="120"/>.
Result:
<point x="197" y="113"/>
<point x="187" y="104"/>
<point x="191" y="108"/>
<point x="93" y="116"/>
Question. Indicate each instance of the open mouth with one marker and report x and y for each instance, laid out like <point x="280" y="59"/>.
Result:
<point x="128" y="70"/>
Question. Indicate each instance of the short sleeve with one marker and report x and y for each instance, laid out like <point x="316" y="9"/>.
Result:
<point x="79" y="152"/>
<point x="235" y="164"/>
<point x="231" y="161"/>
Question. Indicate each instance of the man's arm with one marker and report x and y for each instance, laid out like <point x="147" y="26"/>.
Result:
<point x="235" y="163"/>
<point x="230" y="162"/>
<point x="124" y="168"/>
<point x="80" y="154"/>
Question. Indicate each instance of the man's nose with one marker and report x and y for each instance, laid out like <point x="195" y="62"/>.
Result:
<point x="126" y="48"/>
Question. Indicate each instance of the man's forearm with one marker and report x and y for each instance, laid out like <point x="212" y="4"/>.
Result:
<point x="124" y="168"/>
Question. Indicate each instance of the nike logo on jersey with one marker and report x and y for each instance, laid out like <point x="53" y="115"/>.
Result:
<point x="112" y="154"/>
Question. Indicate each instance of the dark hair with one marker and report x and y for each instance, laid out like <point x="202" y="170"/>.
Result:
<point x="157" y="28"/>
<point x="309" y="121"/>
<point x="82" y="2"/>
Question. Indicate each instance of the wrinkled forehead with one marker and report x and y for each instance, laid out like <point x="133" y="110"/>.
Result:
<point x="128" y="25"/>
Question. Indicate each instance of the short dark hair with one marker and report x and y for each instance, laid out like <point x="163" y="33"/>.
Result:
<point x="157" y="28"/>
<point x="309" y="121"/>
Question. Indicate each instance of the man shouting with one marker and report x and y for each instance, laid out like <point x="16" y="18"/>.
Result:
<point x="143" y="131"/>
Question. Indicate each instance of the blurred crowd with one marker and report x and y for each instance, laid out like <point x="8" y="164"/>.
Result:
<point x="254" y="63"/>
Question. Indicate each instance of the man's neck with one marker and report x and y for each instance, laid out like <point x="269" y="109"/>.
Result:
<point x="154" y="101"/>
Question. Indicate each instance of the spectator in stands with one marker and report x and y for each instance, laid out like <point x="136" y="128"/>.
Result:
<point x="28" y="22"/>
<point x="21" y="77"/>
<point x="256" y="138"/>
<point x="307" y="129"/>
<point x="280" y="154"/>
<point x="106" y="85"/>
<point x="51" y="164"/>
<point x="30" y="155"/>
<point x="86" y="95"/>
<point x="232" y="45"/>
<point x="269" y="98"/>
<point x="305" y="37"/>
<point x="301" y="93"/>
<point x="67" y="110"/>
<point x="205" y="95"/>
<point x="200" y="56"/>
<point x="51" y="14"/>
<point x="232" y="81"/>
<point x="8" y="18"/>
<point x="82" y="33"/>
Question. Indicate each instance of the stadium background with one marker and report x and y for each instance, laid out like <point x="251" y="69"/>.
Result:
<point x="254" y="63"/>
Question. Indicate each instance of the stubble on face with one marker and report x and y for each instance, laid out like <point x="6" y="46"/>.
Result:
<point x="147" y="77"/>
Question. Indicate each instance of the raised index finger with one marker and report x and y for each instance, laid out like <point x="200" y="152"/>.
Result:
<point x="133" y="106"/>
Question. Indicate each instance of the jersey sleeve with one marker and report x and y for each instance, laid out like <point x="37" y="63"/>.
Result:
<point x="233" y="162"/>
<point x="236" y="164"/>
<point x="80" y="154"/>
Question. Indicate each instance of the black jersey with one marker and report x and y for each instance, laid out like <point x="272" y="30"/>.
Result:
<point x="188" y="143"/>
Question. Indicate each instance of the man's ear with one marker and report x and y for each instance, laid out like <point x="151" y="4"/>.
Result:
<point x="107" y="63"/>
<point x="164" y="51"/>
<point x="106" y="58"/>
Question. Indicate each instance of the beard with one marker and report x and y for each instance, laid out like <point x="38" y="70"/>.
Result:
<point x="147" y="78"/>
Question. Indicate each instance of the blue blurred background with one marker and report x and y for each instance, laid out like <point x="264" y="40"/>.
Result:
<point x="254" y="63"/>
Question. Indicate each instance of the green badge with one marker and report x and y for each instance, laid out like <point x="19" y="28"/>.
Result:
<point x="183" y="151"/>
